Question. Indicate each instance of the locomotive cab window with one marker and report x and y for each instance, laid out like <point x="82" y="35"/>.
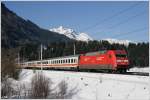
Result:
<point x="121" y="55"/>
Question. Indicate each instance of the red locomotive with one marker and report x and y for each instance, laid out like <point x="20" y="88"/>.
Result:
<point x="110" y="60"/>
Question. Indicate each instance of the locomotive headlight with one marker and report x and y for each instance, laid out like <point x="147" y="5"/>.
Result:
<point x="118" y="60"/>
<point x="125" y="60"/>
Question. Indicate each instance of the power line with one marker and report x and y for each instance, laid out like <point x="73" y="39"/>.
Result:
<point x="128" y="19"/>
<point x="125" y="21"/>
<point x="131" y="32"/>
<point x="111" y="17"/>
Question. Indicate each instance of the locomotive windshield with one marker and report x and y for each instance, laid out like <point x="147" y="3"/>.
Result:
<point x="121" y="55"/>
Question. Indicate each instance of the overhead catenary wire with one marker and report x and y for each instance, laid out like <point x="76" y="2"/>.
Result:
<point x="131" y="32"/>
<point x="124" y="21"/>
<point x="111" y="17"/>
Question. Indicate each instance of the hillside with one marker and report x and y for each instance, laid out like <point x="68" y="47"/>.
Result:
<point x="15" y="31"/>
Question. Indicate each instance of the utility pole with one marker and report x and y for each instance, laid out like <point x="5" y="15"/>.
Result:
<point x="18" y="59"/>
<point x="74" y="49"/>
<point x="41" y="57"/>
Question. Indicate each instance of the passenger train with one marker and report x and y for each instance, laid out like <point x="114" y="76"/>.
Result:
<point x="108" y="60"/>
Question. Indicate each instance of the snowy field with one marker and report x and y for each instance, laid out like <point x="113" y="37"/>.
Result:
<point x="96" y="86"/>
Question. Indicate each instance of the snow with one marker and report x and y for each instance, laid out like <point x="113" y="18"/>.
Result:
<point x="96" y="86"/>
<point x="125" y="42"/>
<point x="84" y="37"/>
<point x="72" y="34"/>
<point x="136" y="69"/>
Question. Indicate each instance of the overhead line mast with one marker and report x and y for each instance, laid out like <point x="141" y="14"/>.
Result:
<point x="41" y="57"/>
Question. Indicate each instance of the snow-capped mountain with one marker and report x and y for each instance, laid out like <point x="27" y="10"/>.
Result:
<point x="72" y="34"/>
<point x="125" y="42"/>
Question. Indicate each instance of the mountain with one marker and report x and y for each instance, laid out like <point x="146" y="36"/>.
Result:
<point x="124" y="42"/>
<point x="72" y="34"/>
<point x="15" y="31"/>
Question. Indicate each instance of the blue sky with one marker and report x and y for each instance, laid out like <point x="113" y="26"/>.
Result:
<point x="112" y="19"/>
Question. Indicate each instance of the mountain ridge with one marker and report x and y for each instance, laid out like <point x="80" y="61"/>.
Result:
<point x="15" y="31"/>
<point x="72" y="34"/>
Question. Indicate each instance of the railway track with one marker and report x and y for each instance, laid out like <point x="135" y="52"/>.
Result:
<point x="126" y="73"/>
<point x="137" y="73"/>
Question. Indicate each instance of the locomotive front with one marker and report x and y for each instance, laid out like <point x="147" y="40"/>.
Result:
<point x="122" y="60"/>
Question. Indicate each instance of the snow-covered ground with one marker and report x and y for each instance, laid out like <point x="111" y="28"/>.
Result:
<point x="136" y="69"/>
<point x="97" y="86"/>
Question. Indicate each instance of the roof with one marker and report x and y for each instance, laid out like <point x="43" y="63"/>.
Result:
<point x="56" y="58"/>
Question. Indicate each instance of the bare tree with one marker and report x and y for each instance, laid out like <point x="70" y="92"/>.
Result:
<point x="40" y="86"/>
<point x="65" y="92"/>
<point x="6" y="89"/>
<point x="63" y="86"/>
<point x="8" y="65"/>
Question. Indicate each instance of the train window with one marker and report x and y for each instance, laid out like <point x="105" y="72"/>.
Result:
<point x="72" y="61"/>
<point x="69" y="61"/>
<point x="61" y="61"/>
<point x="66" y="60"/>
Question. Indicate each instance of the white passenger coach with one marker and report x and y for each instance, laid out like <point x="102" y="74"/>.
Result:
<point x="58" y="62"/>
